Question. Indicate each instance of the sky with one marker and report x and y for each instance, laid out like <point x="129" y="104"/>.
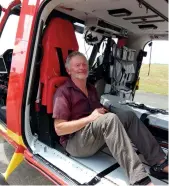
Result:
<point x="5" y="3"/>
<point x="160" y="49"/>
<point x="160" y="52"/>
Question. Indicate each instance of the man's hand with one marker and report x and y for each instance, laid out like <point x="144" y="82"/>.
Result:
<point x="102" y="110"/>
<point x="63" y="127"/>
<point x="97" y="113"/>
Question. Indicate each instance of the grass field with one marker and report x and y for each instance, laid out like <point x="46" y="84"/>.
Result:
<point x="157" y="81"/>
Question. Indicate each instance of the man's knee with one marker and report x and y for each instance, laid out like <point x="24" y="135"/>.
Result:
<point x="131" y="114"/>
<point x="112" y="119"/>
<point x="106" y="121"/>
<point x="111" y="116"/>
<point x="111" y="123"/>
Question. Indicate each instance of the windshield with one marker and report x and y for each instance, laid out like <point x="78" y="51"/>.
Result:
<point x="83" y="46"/>
<point x="4" y="4"/>
<point x="9" y="33"/>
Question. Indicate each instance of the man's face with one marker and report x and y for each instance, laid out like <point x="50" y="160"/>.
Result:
<point x="78" y="67"/>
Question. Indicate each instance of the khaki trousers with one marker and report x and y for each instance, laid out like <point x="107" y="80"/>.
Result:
<point x="117" y="130"/>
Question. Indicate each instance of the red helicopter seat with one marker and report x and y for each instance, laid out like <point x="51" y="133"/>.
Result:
<point x="58" y="41"/>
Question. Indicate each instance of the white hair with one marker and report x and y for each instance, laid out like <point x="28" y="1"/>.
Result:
<point x="71" y="55"/>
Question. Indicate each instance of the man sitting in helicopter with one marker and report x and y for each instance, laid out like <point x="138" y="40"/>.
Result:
<point x="84" y="126"/>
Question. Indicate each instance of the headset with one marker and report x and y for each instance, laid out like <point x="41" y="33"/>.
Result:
<point x="92" y="37"/>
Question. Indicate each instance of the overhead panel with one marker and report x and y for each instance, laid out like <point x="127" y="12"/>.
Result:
<point x="127" y="14"/>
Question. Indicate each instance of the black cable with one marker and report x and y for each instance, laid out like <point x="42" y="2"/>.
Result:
<point x="151" y="110"/>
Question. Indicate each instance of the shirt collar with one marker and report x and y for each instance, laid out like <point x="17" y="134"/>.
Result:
<point x="71" y="84"/>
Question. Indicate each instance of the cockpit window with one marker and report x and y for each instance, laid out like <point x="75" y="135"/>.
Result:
<point x="7" y="38"/>
<point x="83" y="46"/>
<point x="5" y="3"/>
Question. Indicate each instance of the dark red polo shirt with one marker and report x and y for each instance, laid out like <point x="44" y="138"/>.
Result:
<point x="70" y="103"/>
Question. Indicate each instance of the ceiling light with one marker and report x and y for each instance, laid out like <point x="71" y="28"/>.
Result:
<point x="119" y="12"/>
<point x="147" y="27"/>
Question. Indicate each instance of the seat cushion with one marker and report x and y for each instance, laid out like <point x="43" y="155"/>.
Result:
<point x="53" y="84"/>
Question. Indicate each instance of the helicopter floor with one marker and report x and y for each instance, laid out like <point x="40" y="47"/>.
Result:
<point x="83" y="170"/>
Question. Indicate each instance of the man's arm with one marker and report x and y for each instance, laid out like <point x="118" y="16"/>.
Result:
<point x="63" y="127"/>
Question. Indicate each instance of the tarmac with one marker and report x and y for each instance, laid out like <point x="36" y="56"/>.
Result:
<point x="24" y="174"/>
<point x="154" y="100"/>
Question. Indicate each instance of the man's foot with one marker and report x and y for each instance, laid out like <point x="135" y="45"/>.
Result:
<point x="160" y="170"/>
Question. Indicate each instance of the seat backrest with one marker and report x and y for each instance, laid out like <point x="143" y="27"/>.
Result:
<point x="58" y="41"/>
